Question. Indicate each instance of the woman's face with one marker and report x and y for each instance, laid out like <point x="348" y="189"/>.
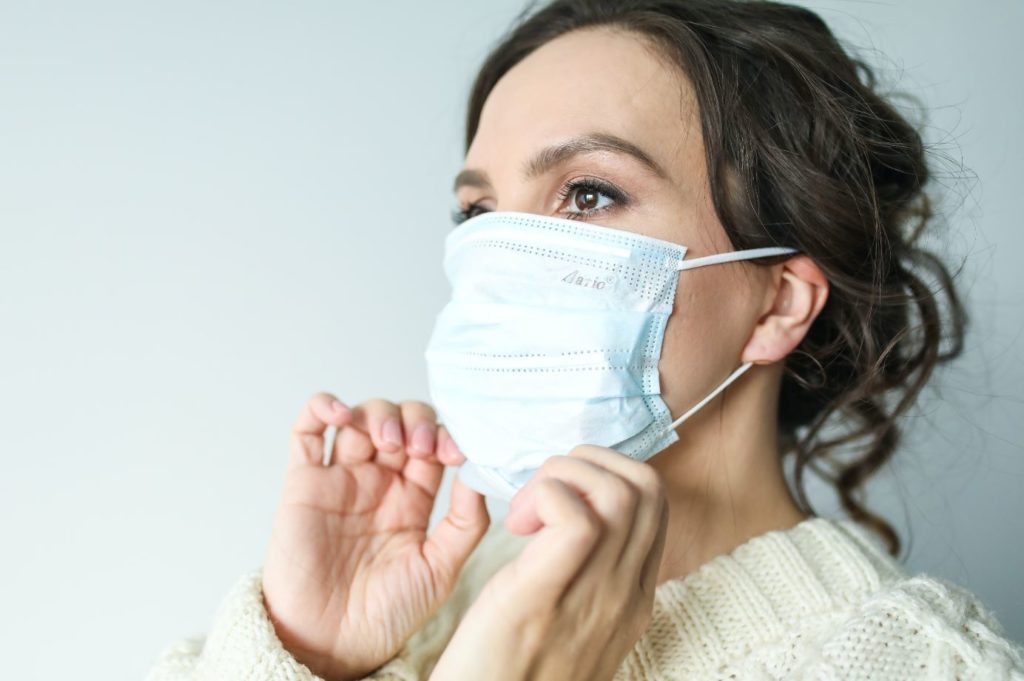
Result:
<point x="601" y="105"/>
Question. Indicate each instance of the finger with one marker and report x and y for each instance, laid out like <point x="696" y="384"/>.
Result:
<point x="646" y="480"/>
<point x="419" y="423"/>
<point x="424" y="473"/>
<point x="447" y="451"/>
<point x="424" y="470"/>
<point x="454" y="538"/>
<point x="609" y="493"/>
<point x="613" y="498"/>
<point x="306" y="444"/>
<point x="570" y="532"/>
<point x="382" y="421"/>
<point x="352" y="445"/>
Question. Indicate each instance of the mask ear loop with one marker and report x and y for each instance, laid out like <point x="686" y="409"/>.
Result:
<point x="728" y="256"/>
<point x="732" y="377"/>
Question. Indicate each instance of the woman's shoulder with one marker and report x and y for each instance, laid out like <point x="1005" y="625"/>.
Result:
<point x="899" y="624"/>
<point x="921" y="626"/>
<point x="819" y="600"/>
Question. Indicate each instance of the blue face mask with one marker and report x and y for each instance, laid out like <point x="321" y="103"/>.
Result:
<point x="552" y="339"/>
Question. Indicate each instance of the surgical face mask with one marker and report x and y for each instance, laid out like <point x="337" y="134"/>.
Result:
<point x="551" y="339"/>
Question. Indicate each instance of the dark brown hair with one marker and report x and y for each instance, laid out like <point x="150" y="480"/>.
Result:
<point x="802" y="150"/>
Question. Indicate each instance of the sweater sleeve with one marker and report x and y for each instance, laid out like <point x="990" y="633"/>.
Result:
<point x="242" y="643"/>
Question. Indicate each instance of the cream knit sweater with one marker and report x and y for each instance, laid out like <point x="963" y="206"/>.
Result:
<point x="820" y="600"/>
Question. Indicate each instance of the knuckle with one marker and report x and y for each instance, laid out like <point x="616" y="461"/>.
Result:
<point x="418" y="408"/>
<point x="621" y="495"/>
<point x="547" y="485"/>
<point x="583" y="525"/>
<point x="320" y="396"/>
<point x="581" y="451"/>
<point x="586" y="528"/>
<point x="648" y="480"/>
<point x="377" y="406"/>
<point x="554" y="463"/>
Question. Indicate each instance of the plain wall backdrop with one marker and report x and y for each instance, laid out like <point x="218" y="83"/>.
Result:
<point x="209" y="211"/>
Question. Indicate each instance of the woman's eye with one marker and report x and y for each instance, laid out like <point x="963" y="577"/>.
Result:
<point x="586" y="197"/>
<point x="588" y="200"/>
<point x="589" y="196"/>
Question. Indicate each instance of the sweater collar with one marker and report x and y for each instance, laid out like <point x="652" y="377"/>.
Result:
<point x="765" y="587"/>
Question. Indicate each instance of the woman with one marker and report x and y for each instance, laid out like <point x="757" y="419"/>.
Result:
<point x="718" y="125"/>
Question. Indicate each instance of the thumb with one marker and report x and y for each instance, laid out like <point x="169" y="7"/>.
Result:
<point x="458" y="533"/>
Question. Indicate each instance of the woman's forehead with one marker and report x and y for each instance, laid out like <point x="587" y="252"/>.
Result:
<point x="587" y="80"/>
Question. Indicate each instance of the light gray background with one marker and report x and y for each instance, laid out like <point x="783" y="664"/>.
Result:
<point x="208" y="211"/>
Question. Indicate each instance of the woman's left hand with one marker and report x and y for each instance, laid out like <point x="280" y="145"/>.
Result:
<point x="576" y="599"/>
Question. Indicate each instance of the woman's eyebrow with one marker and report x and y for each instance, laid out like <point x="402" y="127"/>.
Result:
<point x="549" y="157"/>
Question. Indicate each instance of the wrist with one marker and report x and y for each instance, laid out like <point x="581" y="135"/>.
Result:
<point x="324" y="665"/>
<point x="507" y="653"/>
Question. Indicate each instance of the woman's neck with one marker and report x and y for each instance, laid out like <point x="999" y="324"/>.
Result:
<point x="724" y="478"/>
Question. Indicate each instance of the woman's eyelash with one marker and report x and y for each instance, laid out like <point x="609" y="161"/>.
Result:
<point x="459" y="216"/>
<point x="589" y="184"/>
<point x="596" y="186"/>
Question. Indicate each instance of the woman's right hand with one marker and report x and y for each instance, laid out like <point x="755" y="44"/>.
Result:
<point x="350" y="573"/>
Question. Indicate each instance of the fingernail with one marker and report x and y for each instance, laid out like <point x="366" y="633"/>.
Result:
<point x="338" y="407"/>
<point x="423" y="438"/>
<point x="392" y="432"/>
<point x="453" y="449"/>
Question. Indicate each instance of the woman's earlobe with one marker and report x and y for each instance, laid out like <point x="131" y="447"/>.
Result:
<point x="799" y="298"/>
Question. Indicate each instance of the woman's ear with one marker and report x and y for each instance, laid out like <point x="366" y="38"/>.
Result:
<point x="799" y="296"/>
